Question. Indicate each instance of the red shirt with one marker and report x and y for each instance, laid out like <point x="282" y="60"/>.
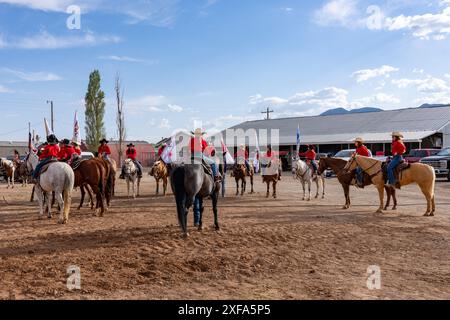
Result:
<point x="362" y="151"/>
<point x="66" y="152"/>
<point x="131" y="153"/>
<point x="161" y="150"/>
<point x="310" y="155"/>
<point x="398" y="148"/>
<point x="50" y="151"/>
<point x="197" y="145"/>
<point x="209" y="150"/>
<point x="242" y="154"/>
<point x="104" y="149"/>
<point x="77" y="150"/>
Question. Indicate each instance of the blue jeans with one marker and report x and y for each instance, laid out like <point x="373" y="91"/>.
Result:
<point x="38" y="168"/>
<point x="213" y="165"/>
<point x="391" y="167"/>
<point x="359" y="175"/>
<point x="198" y="203"/>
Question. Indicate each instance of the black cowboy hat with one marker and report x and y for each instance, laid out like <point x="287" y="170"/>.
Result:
<point x="66" y="141"/>
<point x="51" y="139"/>
<point x="130" y="145"/>
<point x="104" y="141"/>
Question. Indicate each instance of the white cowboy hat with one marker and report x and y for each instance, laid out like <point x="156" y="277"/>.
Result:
<point x="359" y="139"/>
<point x="242" y="146"/>
<point x="198" y="132"/>
<point x="397" y="134"/>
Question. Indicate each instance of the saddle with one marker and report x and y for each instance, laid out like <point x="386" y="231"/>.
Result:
<point x="76" y="162"/>
<point x="45" y="167"/>
<point x="207" y="168"/>
<point x="404" y="165"/>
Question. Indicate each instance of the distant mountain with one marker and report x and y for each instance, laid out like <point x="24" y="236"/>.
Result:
<point x="337" y="111"/>
<point x="427" y="105"/>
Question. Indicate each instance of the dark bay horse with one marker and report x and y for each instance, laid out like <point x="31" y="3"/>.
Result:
<point x="240" y="174"/>
<point x="189" y="181"/>
<point x="346" y="179"/>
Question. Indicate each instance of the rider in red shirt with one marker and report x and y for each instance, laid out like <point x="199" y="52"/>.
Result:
<point x="197" y="146"/>
<point x="310" y="156"/>
<point x="131" y="153"/>
<point x="398" y="150"/>
<point x="242" y="156"/>
<point x="104" y="149"/>
<point x="361" y="150"/>
<point x="161" y="150"/>
<point x="49" y="153"/>
<point x="66" y="152"/>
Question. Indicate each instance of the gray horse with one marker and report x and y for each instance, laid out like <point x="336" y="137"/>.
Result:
<point x="189" y="181"/>
<point x="58" y="178"/>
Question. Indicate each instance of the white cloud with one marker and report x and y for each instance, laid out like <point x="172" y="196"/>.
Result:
<point x="175" y="108"/>
<point x="336" y="12"/>
<point x="431" y="89"/>
<point x="32" y="76"/>
<point x="45" y="40"/>
<point x="127" y="59"/>
<point x="47" y="5"/>
<point x="379" y="99"/>
<point x="5" y="90"/>
<point x="164" y="124"/>
<point x="367" y="74"/>
<point x="158" y="103"/>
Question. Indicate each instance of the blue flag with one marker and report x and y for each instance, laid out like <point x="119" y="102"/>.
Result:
<point x="298" y="139"/>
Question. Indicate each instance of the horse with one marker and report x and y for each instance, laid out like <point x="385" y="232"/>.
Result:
<point x="270" y="173"/>
<point x="303" y="172"/>
<point x="240" y="173"/>
<point x="347" y="178"/>
<point x="93" y="174"/>
<point x="160" y="171"/>
<point x="419" y="173"/>
<point x="188" y="182"/>
<point x="10" y="169"/>
<point x="111" y="187"/>
<point x="23" y="173"/>
<point x="59" y="178"/>
<point x="131" y="176"/>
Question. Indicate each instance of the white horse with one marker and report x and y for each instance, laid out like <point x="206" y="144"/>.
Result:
<point x="304" y="173"/>
<point x="131" y="176"/>
<point x="58" y="178"/>
<point x="10" y="169"/>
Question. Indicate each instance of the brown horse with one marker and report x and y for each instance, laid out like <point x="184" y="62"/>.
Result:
<point x="23" y="173"/>
<point x="240" y="174"/>
<point x="112" y="169"/>
<point x="9" y="168"/>
<point x="420" y="173"/>
<point x="271" y="174"/>
<point x="347" y="178"/>
<point x="160" y="171"/>
<point x="92" y="173"/>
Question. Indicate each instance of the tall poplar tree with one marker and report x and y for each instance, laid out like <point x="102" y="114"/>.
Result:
<point x="95" y="112"/>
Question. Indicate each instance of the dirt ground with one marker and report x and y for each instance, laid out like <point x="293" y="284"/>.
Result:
<point x="267" y="248"/>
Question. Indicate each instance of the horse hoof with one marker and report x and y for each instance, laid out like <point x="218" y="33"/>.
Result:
<point x="379" y="211"/>
<point x="426" y="214"/>
<point x="432" y="214"/>
<point x="217" y="228"/>
<point x="186" y="235"/>
<point x="200" y="228"/>
<point x="394" y="208"/>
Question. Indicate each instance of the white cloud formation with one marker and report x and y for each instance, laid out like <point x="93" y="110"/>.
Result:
<point x="32" y="76"/>
<point x="367" y="74"/>
<point x="158" y="103"/>
<point x="380" y="99"/>
<point x="164" y="124"/>
<point x="127" y="59"/>
<point x="175" y="108"/>
<point x="431" y="89"/>
<point x="45" y="40"/>
<point x="5" y="90"/>
<point x="336" y="12"/>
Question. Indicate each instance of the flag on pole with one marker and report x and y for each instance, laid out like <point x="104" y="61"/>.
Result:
<point x="76" y="130"/>
<point x="48" y="131"/>
<point x="228" y="158"/>
<point x="30" y="141"/>
<point x="256" y="158"/>
<point x="298" y="139"/>
<point x="169" y="154"/>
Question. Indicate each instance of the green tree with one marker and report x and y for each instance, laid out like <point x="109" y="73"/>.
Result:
<point x="95" y="112"/>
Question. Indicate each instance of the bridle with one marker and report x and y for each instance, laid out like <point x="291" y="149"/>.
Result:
<point x="365" y="170"/>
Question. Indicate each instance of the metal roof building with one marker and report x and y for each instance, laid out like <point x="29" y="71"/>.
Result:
<point x="422" y="127"/>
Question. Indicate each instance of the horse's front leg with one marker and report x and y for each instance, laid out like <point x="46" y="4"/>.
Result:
<point x="215" y="198"/>
<point x="83" y="194"/>
<point x="40" y="196"/>
<point x="138" y="186"/>
<point x="134" y="188"/>
<point x="128" y="187"/>
<point x="251" y="182"/>
<point x="275" y="189"/>
<point x="388" y="201"/>
<point x="157" y="186"/>
<point x="268" y="189"/>
<point x="317" y="185"/>
<point x="309" y="190"/>
<point x="394" y="196"/>
<point x="304" y="190"/>
<point x="381" y="195"/>
<point x="323" y="187"/>
<point x="237" y="187"/>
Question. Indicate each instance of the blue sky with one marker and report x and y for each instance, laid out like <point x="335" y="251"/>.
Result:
<point x="218" y="62"/>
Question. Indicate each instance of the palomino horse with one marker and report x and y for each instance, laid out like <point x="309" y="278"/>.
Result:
<point x="303" y="172"/>
<point x="131" y="176"/>
<point x="189" y="182"/>
<point x="271" y="174"/>
<point x="347" y="178"/>
<point x="58" y="178"/>
<point x="160" y="172"/>
<point x="91" y="174"/>
<point x="10" y="169"/>
<point x="240" y="174"/>
<point x="419" y="173"/>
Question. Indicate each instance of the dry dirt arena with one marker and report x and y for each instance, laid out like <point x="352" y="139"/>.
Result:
<point x="267" y="249"/>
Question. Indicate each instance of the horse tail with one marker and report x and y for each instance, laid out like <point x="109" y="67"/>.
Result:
<point x="67" y="192"/>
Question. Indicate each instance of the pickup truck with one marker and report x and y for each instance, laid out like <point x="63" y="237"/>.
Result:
<point x="440" y="162"/>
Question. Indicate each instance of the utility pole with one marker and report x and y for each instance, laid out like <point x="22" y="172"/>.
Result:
<point x="267" y="113"/>
<point x="52" y="124"/>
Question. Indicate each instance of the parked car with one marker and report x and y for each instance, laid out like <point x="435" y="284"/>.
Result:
<point x="416" y="155"/>
<point x="440" y="162"/>
<point x="87" y="155"/>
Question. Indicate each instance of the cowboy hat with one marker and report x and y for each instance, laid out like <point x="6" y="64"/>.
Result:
<point x="104" y="141"/>
<point x="397" y="134"/>
<point x="198" y="132"/>
<point x="66" y="141"/>
<point x="359" y="139"/>
<point x="242" y="146"/>
<point x="130" y="145"/>
<point x="51" y="139"/>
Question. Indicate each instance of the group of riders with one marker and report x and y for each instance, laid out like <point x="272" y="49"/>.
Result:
<point x="68" y="151"/>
